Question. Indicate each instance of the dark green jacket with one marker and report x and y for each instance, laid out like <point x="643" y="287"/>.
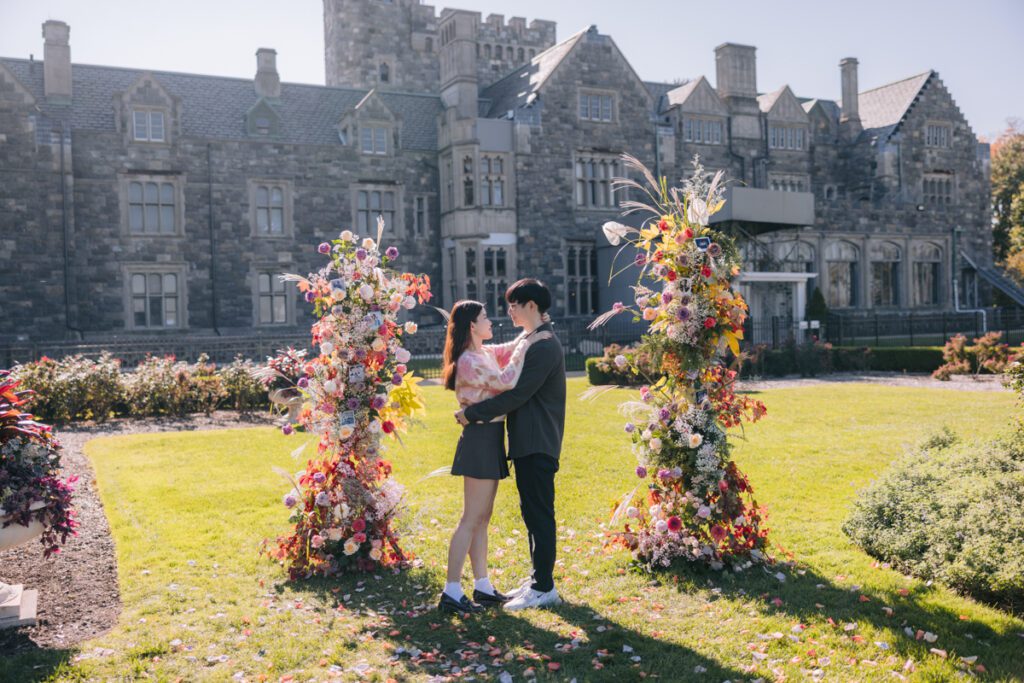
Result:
<point x="535" y="408"/>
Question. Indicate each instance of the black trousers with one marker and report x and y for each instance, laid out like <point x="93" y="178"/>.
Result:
<point x="535" y="479"/>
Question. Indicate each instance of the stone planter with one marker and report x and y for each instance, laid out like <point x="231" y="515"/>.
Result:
<point x="289" y="399"/>
<point x="18" y="606"/>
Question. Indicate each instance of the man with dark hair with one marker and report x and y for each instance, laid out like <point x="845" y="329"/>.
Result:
<point x="535" y="411"/>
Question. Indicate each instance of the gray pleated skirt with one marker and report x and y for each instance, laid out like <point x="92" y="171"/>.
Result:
<point x="481" y="452"/>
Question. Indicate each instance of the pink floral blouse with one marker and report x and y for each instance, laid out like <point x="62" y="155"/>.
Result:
<point x="492" y="370"/>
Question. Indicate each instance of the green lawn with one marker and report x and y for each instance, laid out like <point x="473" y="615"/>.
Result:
<point x="188" y="511"/>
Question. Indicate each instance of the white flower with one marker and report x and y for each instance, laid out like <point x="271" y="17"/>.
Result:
<point x="346" y="235"/>
<point x="374" y="426"/>
<point x="402" y="355"/>
<point x="409" y="302"/>
<point x="334" y="534"/>
<point x="645" y="435"/>
<point x="369" y="244"/>
<point x="411" y="327"/>
<point x="696" y="440"/>
<point x="620" y="361"/>
<point x="614" y="232"/>
<point x="375" y="554"/>
<point x="345" y="432"/>
<point x="378" y="344"/>
<point x="697" y="211"/>
<point x="366" y="292"/>
<point x="338" y="294"/>
<point x="655" y="444"/>
<point x="351" y="547"/>
<point x="326" y="348"/>
<point x="654" y="511"/>
<point x="661" y="526"/>
<point x="330" y="386"/>
<point x="632" y="512"/>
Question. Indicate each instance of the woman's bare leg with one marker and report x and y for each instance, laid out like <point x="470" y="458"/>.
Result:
<point x="478" y="546"/>
<point x="476" y="511"/>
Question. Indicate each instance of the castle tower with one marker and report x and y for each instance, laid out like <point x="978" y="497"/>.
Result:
<point x="459" y="88"/>
<point x="385" y="45"/>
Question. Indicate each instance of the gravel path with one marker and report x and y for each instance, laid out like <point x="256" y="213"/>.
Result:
<point x="890" y="379"/>
<point x="78" y="592"/>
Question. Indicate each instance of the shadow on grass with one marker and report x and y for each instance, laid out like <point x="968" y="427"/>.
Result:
<point x="401" y="609"/>
<point x="808" y="598"/>
<point x="23" y="661"/>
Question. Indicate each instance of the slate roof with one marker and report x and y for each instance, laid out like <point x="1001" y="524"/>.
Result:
<point x="830" y="106"/>
<point x="767" y="100"/>
<point x="513" y="91"/>
<point x="215" y="106"/>
<point x="882" y="109"/>
<point x="659" y="93"/>
<point x="679" y="95"/>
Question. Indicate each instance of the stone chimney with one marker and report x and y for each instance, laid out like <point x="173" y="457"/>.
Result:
<point x="736" y="70"/>
<point x="268" y="82"/>
<point x="849" y="118"/>
<point x="56" y="61"/>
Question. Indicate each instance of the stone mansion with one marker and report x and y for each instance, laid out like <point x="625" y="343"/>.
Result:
<point x="141" y="202"/>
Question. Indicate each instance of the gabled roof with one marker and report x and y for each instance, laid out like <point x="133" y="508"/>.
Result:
<point x="514" y="90"/>
<point x="697" y="96"/>
<point x="215" y="106"/>
<point x="782" y="104"/>
<point x="882" y="109"/>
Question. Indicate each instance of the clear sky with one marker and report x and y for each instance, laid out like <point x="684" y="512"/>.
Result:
<point x="976" y="47"/>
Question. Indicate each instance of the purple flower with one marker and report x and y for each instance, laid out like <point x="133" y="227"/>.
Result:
<point x="290" y="501"/>
<point x="287" y="429"/>
<point x="684" y="299"/>
<point x="360" y="254"/>
<point x="360" y="354"/>
<point x="378" y="402"/>
<point x="641" y="471"/>
<point x="319" y="477"/>
<point x="666" y="297"/>
<point x="664" y="474"/>
<point x="640" y="260"/>
<point x="714" y="249"/>
<point x="396" y="380"/>
<point x="683" y="260"/>
<point x="391" y="253"/>
<point x="310" y="297"/>
<point x="665" y="414"/>
<point x="618" y="307"/>
<point x="303" y="382"/>
<point x="630" y="427"/>
<point x="324" y="248"/>
<point x="683" y="314"/>
<point x="353" y="403"/>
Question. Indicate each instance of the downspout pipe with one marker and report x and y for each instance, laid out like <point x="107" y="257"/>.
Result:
<point x="213" y="241"/>
<point x="73" y="330"/>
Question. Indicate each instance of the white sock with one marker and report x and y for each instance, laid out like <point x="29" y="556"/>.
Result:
<point x="484" y="585"/>
<point x="454" y="590"/>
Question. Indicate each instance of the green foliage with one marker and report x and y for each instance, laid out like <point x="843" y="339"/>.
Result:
<point x="1007" y="190"/>
<point x="817" y="309"/>
<point x="245" y="392"/>
<point x="951" y="511"/>
<point x="638" y="368"/>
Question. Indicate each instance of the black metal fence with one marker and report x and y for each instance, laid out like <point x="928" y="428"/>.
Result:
<point x="924" y="329"/>
<point x="426" y="345"/>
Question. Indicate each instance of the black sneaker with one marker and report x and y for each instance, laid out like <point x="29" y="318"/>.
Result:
<point x="450" y="605"/>
<point x="488" y="600"/>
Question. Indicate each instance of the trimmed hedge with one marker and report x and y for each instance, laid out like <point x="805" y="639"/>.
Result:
<point x="810" y="360"/>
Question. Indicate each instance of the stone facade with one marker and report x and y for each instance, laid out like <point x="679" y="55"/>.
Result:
<point x="182" y="194"/>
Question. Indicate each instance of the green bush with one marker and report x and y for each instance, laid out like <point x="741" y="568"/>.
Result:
<point x="245" y="391"/>
<point x="905" y="358"/>
<point x="605" y="370"/>
<point x="953" y="512"/>
<point x="73" y="388"/>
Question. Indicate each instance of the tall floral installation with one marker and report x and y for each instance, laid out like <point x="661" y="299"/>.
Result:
<point x="358" y="393"/>
<point x="693" y="502"/>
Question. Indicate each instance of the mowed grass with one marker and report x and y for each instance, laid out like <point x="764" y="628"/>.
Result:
<point x="188" y="512"/>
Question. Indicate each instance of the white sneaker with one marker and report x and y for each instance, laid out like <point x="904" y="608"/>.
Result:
<point x="533" y="598"/>
<point x="520" y="589"/>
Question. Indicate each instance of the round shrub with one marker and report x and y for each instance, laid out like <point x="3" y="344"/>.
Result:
<point x="951" y="511"/>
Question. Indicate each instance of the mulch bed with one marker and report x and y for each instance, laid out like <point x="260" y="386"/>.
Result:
<point x="78" y="590"/>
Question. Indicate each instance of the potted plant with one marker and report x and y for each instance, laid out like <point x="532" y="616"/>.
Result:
<point x="34" y="499"/>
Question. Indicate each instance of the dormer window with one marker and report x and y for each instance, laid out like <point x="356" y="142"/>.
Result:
<point x="148" y="126"/>
<point x="262" y="125"/>
<point x="373" y="140"/>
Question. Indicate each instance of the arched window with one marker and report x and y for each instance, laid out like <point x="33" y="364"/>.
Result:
<point x="497" y="52"/>
<point x="885" y="273"/>
<point x="487" y="51"/>
<point x="841" y="262"/>
<point x="385" y="73"/>
<point x="927" y="274"/>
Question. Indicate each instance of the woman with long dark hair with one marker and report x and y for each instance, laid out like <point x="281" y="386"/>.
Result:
<point x="476" y="371"/>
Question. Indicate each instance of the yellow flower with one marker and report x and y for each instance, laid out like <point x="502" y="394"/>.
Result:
<point x="351" y="547"/>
